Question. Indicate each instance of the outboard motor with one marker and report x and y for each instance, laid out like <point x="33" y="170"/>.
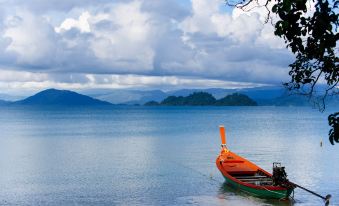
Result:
<point x="279" y="176"/>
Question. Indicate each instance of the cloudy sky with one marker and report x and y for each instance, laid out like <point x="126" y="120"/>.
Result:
<point x="142" y="44"/>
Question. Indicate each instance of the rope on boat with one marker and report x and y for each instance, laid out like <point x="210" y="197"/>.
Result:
<point x="213" y="181"/>
<point x="196" y="171"/>
<point x="209" y="177"/>
<point x="216" y="181"/>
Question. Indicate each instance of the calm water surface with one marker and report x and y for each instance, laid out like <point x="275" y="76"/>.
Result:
<point x="157" y="155"/>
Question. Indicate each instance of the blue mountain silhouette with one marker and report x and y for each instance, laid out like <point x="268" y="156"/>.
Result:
<point x="60" y="97"/>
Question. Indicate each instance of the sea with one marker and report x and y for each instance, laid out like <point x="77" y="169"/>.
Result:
<point x="138" y="155"/>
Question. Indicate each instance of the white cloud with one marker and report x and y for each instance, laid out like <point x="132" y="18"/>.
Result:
<point x="103" y="43"/>
<point x="200" y="21"/>
<point x="121" y="38"/>
<point x="207" y="19"/>
<point x="21" y="76"/>
<point x="28" y="82"/>
<point x="232" y="45"/>
<point x="81" y="23"/>
<point x="31" y="38"/>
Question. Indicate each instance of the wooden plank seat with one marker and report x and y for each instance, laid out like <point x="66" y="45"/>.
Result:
<point x="257" y="180"/>
<point x="254" y="179"/>
<point x="251" y="177"/>
<point x="260" y="183"/>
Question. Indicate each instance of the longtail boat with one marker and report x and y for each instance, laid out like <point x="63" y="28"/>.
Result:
<point x="244" y="175"/>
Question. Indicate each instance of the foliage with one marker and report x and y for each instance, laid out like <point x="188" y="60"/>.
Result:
<point x="236" y="99"/>
<point x="333" y="120"/>
<point x="152" y="103"/>
<point x="195" y="99"/>
<point x="206" y="99"/>
<point x="312" y="36"/>
<point x="173" y="101"/>
<point x="199" y="99"/>
<point x="312" y="39"/>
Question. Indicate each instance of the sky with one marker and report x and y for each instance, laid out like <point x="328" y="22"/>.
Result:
<point x="138" y="44"/>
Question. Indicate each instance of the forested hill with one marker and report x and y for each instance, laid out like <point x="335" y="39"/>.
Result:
<point x="205" y="99"/>
<point x="60" y="97"/>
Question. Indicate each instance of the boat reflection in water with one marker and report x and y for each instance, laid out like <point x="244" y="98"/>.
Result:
<point x="232" y="194"/>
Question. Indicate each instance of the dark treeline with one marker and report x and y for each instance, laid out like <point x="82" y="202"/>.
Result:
<point x="205" y="99"/>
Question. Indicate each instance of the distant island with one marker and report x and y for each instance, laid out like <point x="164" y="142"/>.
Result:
<point x="54" y="97"/>
<point x="205" y="99"/>
<point x="185" y="97"/>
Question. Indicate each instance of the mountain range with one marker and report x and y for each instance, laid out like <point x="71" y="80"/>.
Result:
<point x="125" y="96"/>
<point x="130" y="97"/>
<point x="266" y="96"/>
